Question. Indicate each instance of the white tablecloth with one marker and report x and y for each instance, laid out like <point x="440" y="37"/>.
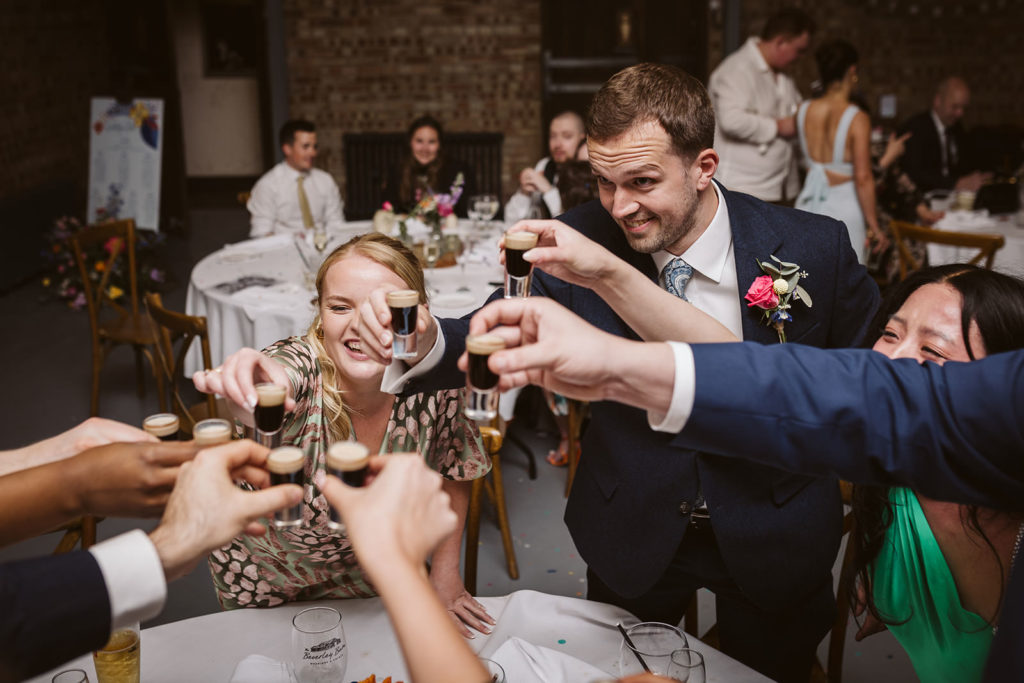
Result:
<point x="208" y="648"/>
<point x="1009" y="259"/>
<point x="257" y="316"/>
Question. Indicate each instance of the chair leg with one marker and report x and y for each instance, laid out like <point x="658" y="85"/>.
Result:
<point x="575" y="426"/>
<point x="531" y="460"/>
<point x="88" y="532"/>
<point x="472" y="536"/>
<point x="506" y="534"/>
<point x="140" y="384"/>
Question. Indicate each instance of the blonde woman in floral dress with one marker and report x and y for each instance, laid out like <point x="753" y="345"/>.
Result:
<point x="334" y="394"/>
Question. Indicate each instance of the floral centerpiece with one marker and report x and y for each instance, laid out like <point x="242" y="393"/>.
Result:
<point x="432" y="209"/>
<point x="772" y="293"/>
<point x="63" y="280"/>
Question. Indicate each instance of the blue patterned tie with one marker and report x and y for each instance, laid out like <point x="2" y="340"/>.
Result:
<point x="676" y="274"/>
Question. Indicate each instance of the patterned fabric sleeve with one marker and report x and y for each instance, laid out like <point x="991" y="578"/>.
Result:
<point x="434" y="425"/>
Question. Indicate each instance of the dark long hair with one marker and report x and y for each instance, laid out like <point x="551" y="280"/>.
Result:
<point x="412" y="170"/>
<point x="834" y="59"/>
<point x="993" y="301"/>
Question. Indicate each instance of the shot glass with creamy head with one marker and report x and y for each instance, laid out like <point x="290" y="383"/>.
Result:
<point x="518" y="271"/>
<point x="163" y="426"/>
<point x="269" y="413"/>
<point x="481" y="382"/>
<point x="286" y="465"/>
<point x="349" y="461"/>
<point x="404" y="305"/>
<point x="211" y="432"/>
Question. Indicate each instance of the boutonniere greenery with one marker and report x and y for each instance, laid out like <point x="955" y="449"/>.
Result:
<point x="774" y="292"/>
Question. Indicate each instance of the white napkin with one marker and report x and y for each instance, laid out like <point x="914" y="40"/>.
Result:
<point x="417" y="229"/>
<point x="966" y="220"/>
<point x="286" y="296"/>
<point x="525" y="662"/>
<point x="260" y="244"/>
<point x="260" y="669"/>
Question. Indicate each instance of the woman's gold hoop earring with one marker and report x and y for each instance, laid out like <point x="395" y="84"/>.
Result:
<point x="319" y="331"/>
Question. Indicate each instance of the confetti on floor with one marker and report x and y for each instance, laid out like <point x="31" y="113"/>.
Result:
<point x="561" y="641"/>
<point x="552" y="571"/>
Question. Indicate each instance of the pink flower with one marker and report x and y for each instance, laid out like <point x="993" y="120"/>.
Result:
<point x="444" y="210"/>
<point x="387" y="206"/>
<point x="762" y="294"/>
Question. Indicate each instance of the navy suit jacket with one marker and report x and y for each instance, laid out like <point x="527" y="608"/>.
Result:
<point x="954" y="432"/>
<point x="54" y="609"/>
<point x="778" y="532"/>
<point x="922" y="160"/>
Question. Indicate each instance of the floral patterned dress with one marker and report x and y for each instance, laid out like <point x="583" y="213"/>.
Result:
<point x="311" y="562"/>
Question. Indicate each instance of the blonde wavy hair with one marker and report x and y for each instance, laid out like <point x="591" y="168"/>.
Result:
<point x="394" y="256"/>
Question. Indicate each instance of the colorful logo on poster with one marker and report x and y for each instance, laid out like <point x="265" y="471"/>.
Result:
<point x="140" y="116"/>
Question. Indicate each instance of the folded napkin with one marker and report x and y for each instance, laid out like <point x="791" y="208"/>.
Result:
<point x="260" y="244"/>
<point x="260" y="669"/>
<point x="525" y="662"/>
<point x="286" y="296"/>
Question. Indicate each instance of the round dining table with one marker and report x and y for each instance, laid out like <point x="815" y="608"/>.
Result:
<point x="1009" y="259"/>
<point x="538" y="638"/>
<point x="256" y="292"/>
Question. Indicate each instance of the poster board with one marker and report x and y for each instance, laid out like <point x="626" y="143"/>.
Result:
<point x="125" y="150"/>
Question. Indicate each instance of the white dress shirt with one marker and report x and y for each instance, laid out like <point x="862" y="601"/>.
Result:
<point x="518" y="206"/>
<point x="134" y="577"/>
<point x="274" y="202"/>
<point x="748" y="97"/>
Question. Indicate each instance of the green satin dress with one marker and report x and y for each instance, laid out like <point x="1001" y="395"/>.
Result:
<point x="912" y="582"/>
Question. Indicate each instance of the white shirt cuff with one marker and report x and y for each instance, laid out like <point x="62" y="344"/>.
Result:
<point x="683" y="392"/>
<point x="398" y="372"/>
<point x="134" y="576"/>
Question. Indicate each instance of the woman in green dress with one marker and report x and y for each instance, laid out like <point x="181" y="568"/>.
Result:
<point x="334" y="394"/>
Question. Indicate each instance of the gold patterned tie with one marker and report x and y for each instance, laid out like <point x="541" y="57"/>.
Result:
<point x="307" y="214"/>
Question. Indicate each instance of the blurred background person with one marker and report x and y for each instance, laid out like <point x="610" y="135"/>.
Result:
<point x="565" y="136"/>
<point x="427" y="169"/>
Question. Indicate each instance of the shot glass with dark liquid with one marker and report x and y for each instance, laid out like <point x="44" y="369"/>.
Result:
<point x="269" y="413"/>
<point x="481" y="383"/>
<point x="518" y="271"/>
<point x="404" y="305"/>
<point x="163" y="426"/>
<point x="348" y="461"/>
<point x="285" y="465"/>
<point x="211" y="432"/>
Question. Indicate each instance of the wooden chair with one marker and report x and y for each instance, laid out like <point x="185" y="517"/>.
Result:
<point x="81" y="530"/>
<point x="114" y="321"/>
<point x="180" y="330"/>
<point x="903" y="231"/>
<point x="832" y="672"/>
<point x="495" y="490"/>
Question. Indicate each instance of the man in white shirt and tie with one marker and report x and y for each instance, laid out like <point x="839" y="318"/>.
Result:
<point x="294" y="197"/>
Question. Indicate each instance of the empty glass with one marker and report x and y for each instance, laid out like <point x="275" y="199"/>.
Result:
<point x="688" y="666"/>
<point x="654" y="643"/>
<point x="319" y="652"/>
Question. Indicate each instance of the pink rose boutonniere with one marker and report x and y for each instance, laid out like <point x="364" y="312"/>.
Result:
<point x="772" y="293"/>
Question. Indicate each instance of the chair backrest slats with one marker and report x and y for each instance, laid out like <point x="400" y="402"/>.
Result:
<point x="903" y="231"/>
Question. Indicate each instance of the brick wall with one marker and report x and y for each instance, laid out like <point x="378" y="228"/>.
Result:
<point x="54" y="60"/>
<point x="907" y="46"/>
<point x="374" y="65"/>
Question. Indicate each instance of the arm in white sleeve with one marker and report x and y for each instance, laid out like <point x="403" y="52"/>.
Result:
<point x="398" y="373"/>
<point x="262" y="210"/>
<point x="554" y="201"/>
<point x="334" y="215"/>
<point x="134" y="576"/>
<point x="729" y="95"/>
<point x="517" y="208"/>
<point x="683" y="390"/>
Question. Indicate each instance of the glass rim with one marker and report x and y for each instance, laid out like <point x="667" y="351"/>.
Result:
<point x="325" y="629"/>
<point x="657" y="627"/>
<point x="59" y="674"/>
<point x="132" y="629"/>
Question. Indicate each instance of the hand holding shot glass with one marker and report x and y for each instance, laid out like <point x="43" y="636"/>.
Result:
<point x="481" y="382"/>
<point x="286" y="465"/>
<point x="404" y="305"/>
<point x="269" y="413"/>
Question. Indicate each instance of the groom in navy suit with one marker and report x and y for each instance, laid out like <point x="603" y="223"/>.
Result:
<point x="654" y="520"/>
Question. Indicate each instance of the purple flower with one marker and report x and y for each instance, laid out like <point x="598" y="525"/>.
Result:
<point x="156" y="275"/>
<point x="781" y="316"/>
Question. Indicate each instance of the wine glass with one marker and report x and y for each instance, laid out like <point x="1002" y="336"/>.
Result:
<point x="320" y="238"/>
<point x="688" y="666"/>
<point x="653" y="643"/>
<point x="431" y="254"/>
<point x="487" y="206"/>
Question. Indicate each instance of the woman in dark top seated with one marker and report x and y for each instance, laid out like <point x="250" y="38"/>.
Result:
<point x="426" y="168"/>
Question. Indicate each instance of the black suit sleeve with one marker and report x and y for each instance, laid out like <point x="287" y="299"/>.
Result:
<point x="55" y="609"/>
<point x="922" y="158"/>
<point x="954" y="432"/>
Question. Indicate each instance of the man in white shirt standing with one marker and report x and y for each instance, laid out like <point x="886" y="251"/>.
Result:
<point x="755" y="108"/>
<point x="293" y="196"/>
<point x="564" y="137"/>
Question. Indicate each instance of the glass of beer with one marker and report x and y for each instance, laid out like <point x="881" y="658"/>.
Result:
<point x="211" y="432"/>
<point x="319" y="651"/>
<point x="481" y="382"/>
<point x="163" y="426"/>
<point x="518" y="271"/>
<point x="71" y="676"/>
<point x="285" y="465"/>
<point x="118" y="661"/>
<point x="269" y="413"/>
<point x="404" y="305"/>
<point x="348" y="461"/>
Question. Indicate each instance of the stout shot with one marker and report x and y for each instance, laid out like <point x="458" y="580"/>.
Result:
<point x="518" y="271"/>
<point x="285" y="465"/>
<point x="163" y="426"/>
<point x="211" y="432"/>
<point x="404" y="305"/>
<point x="348" y="461"/>
<point x="481" y="383"/>
<point x="269" y="413"/>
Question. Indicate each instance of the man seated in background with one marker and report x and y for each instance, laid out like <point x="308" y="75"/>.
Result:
<point x="293" y="196"/>
<point x="564" y="137"/>
<point x="936" y="155"/>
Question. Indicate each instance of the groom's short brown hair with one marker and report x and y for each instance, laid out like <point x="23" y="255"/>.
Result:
<point x="654" y="92"/>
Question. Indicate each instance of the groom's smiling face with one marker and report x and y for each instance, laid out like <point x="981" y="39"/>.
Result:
<point x="648" y="189"/>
